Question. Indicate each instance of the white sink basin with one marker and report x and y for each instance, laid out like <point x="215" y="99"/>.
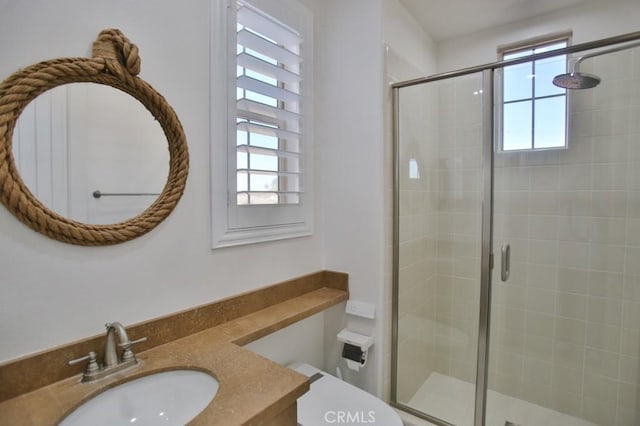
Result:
<point x="169" y="398"/>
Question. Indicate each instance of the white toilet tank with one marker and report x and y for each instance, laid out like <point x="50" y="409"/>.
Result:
<point x="331" y="401"/>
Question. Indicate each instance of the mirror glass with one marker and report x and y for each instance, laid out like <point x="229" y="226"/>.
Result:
<point x="91" y="153"/>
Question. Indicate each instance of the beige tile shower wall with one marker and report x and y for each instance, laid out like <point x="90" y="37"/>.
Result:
<point x="418" y="231"/>
<point x="566" y="326"/>
<point x="454" y="318"/>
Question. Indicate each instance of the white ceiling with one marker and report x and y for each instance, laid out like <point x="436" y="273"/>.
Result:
<point x="444" y="19"/>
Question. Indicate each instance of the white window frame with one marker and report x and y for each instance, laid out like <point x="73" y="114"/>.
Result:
<point x="525" y="45"/>
<point x="233" y="224"/>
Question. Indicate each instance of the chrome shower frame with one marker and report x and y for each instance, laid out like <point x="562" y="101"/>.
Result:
<point x="487" y="71"/>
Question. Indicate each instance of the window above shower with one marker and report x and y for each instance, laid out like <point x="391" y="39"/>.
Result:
<point x="532" y="113"/>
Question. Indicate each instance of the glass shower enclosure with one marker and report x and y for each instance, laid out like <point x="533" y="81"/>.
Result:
<point x="517" y="271"/>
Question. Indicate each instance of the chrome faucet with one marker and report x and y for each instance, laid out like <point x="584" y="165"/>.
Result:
<point x="112" y="363"/>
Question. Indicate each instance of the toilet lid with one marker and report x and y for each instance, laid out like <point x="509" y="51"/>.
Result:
<point x="333" y="401"/>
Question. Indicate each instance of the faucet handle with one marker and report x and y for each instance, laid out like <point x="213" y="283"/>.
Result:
<point x="127" y="353"/>
<point x="92" y="366"/>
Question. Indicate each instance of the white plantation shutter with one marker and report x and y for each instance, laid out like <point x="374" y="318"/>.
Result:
<point x="268" y="110"/>
<point x="262" y="121"/>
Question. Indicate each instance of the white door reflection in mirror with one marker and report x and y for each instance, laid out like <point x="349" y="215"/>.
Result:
<point x="83" y="137"/>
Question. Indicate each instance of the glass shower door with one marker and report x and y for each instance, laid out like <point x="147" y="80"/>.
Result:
<point x="439" y="168"/>
<point x="564" y="300"/>
<point x="565" y="325"/>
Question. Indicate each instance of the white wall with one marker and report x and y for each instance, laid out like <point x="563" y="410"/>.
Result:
<point x="53" y="293"/>
<point x="308" y="348"/>
<point x="349" y="128"/>
<point x="407" y="38"/>
<point x="589" y="21"/>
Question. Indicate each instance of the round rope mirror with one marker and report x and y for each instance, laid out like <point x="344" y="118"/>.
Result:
<point x="115" y="63"/>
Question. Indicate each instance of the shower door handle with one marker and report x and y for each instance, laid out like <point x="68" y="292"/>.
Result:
<point x="506" y="260"/>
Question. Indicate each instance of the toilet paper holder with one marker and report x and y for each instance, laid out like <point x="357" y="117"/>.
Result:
<point x="355" y="348"/>
<point x="355" y="339"/>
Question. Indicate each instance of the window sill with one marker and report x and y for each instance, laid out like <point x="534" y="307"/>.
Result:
<point x="245" y="236"/>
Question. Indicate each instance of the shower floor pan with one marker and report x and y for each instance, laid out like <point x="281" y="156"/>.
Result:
<point x="451" y="399"/>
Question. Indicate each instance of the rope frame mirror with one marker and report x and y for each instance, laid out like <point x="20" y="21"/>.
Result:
<point x="115" y="62"/>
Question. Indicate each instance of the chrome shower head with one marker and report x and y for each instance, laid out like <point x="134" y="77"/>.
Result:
<point x="581" y="80"/>
<point x="576" y="80"/>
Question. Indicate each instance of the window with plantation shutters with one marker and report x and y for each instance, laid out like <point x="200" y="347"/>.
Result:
<point x="268" y="109"/>
<point x="268" y="121"/>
